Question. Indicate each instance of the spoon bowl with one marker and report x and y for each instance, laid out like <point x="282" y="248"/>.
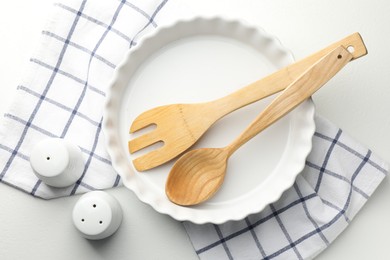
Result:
<point x="201" y="170"/>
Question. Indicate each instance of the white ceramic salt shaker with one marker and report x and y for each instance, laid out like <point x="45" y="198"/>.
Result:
<point x="97" y="215"/>
<point x="57" y="162"/>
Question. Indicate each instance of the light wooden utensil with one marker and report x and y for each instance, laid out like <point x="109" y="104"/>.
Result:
<point x="179" y="126"/>
<point x="198" y="174"/>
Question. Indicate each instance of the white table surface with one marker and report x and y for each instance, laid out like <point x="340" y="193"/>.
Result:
<point x="358" y="101"/>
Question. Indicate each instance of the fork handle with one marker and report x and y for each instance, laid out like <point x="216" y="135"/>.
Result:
<point x="278" y="80"/>
<point x="297" y="92"/>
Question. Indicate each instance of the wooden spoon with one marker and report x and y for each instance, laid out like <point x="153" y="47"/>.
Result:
<point x="199" y="173"/>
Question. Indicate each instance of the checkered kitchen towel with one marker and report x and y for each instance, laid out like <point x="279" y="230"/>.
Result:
<point x="63" y="92"/>
<point x="340" y="175"/>
<point x="62" y="95"/>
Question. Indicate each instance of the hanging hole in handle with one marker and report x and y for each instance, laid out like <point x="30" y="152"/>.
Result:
<point x="351" y="49"/>
<point x="339" y="56"/>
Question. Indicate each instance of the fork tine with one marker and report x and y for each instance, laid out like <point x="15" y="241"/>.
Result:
<point x="143" y="141"/>
<point x="151" y="159"/>
<point x="139" y="124"/>
<point x="144" y="120"/>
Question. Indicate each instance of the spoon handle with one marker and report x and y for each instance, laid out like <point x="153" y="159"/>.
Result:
<point x="278" y="80"/>
<point x="295" y="93"/>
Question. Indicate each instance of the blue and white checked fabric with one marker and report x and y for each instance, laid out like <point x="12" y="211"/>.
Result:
<point x="62" y="95"/>
<point x="63" y="92"/>
<point x="339" y="177"/>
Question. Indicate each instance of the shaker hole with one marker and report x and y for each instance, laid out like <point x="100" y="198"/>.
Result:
<point x="100" y="222"/>
<point x="94" y="205"/>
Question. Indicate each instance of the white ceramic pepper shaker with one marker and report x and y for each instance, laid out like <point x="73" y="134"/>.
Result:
<point x="97" y="215"/>
<point x="57" y="162"/>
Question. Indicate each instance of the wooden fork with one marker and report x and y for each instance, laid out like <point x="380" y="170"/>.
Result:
<point x="179" y="126"/>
